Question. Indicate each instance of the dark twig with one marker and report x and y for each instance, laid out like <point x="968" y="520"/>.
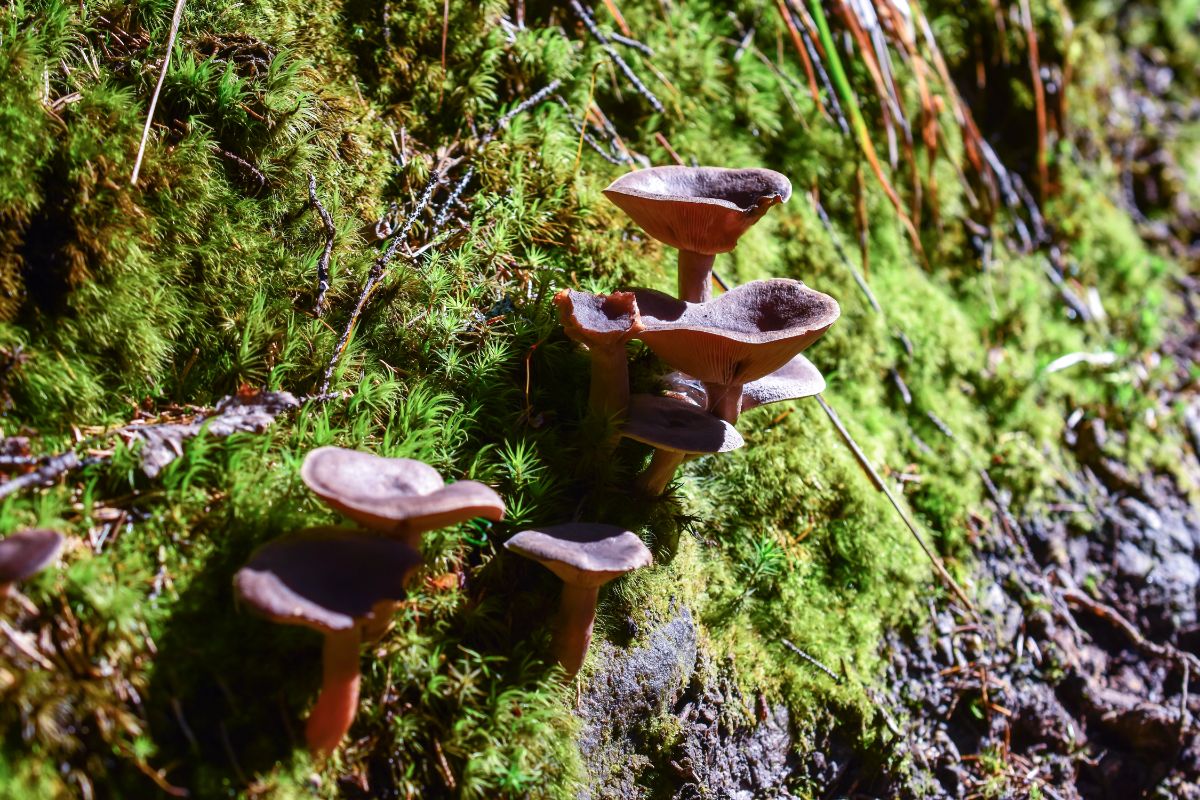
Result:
<point x="50" y="471"/>
<point x="622" y="65"/>
<point x="881" y="486"/>
<point x="811" y="660"/>
<point x="644" y="49"/>
<point x="837" y="246"/>
<point x="374" y="278"/>
<point x="175" y="19"/>
<point x="330" y="233"/>
<point x="1179" y="658"/>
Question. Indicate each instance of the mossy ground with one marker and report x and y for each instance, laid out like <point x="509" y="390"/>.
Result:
<point x="201" y="279"/>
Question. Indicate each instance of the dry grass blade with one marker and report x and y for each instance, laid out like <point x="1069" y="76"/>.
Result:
<point x="804" y="59"/>
<point x="616" y="12"/>
<point x="1039" y="96"/>
<point x="162" y="76"/>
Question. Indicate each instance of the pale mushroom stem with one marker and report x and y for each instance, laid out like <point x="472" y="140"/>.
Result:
<point x="334" y="711"/>
<point x="725" y="401"/>
<point x="654" y="479"/>
<point x="695" y="276"/>
<point x="573" y="626"/>
<point x="608" y="394"/>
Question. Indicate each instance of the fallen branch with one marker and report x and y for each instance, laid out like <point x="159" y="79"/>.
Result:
<point x="162" y="76"/>
<point x="51" y="470"/>
<point x="330" y="233"/>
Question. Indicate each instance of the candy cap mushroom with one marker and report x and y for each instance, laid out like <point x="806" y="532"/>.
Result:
<point x="585" y="556"/>
<point x="702" y="210"/>
<point x="398" y="496"/>
<point x="796" y="379"/>
<point x="331" y="580"/>
<point x="26" y="553"/>
<point x="743" y="335"/>
<point x="604" y="323"/>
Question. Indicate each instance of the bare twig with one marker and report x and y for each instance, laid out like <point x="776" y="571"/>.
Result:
<point x="1168" y="652"/>
<point x="811" y="660"/>
<point x="330" y="233"/>
<point x="162" y="76"/>
<point x="611" y="52"/>
<point x="863" y="462"/>
<point x="837" y="246"/>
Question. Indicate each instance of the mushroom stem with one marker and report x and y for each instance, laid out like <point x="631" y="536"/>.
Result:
<point x="725" y="401"/>
<point x="695" y="276"/>
<point x="573" y="626"/>
<point x="654" y="479"/>
<point x="335" y="707"/>
<point x="608" y="394"/>
<point x="381" y="620"/>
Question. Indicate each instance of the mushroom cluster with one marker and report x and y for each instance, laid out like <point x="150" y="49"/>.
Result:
<point x="729" y="354"/>
<point x="346" y="583"/>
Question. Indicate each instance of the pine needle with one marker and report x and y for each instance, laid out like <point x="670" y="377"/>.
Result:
<point x="162" y="76"/>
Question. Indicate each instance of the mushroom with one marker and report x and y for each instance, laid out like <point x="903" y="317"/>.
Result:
<point x="701" y="211"/>
<point x="400" y="497"/>
<point x="585" y="555"/>
<point x="794" y="380"/>
<point x="604" y="323"/>
<point x="745" y="334"/>
<point x="26" y="553"/>
<point x="330" y="580"/>
<point x="676" y="429"/>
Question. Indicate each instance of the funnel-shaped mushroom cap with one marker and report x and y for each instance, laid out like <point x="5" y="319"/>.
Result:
<point x="597" y="319"/>
<point x="795" y="379"/>
<point x="745" y="334"/>
<point x="328" y="579"/>
<point x="678" y="426"/>
<point x="582" y="553"/>
<point x="389" y="494"/>
<point x="698" y="209"/>
<point x="26" y="553"/>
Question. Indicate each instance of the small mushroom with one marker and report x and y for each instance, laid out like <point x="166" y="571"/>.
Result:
<point x="701" y="211"/>
<point x="604" y="323"/>
<point x="796" y="379"/>
<point x="26" y="553"/>
<point x="675" y="429"/>
<point x="331" y="580"/>
<point x="745" y="334"/>
<point x="400" y="497"/>
<point x="585" y="555"/>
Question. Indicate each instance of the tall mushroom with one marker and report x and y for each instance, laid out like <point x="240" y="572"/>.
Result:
<point x="745" y="334"/>
<point x="701" y="211"/>
<point x="400" y="497"/>
<point x="26" y="553"/>
<point x="604" y="323"/>
<point x="585" y="555"/>
<point x="676" y="429"/>
<point x="330" y="580"/>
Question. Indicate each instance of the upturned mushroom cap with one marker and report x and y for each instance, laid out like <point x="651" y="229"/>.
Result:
<point x="698" y="209"/>
<point x="585" y="554"/>
<point x="597" y="319"/>
<point x="745" y="334"/>
<point x="328" y="579"/>
<point x="390" y="494"/>
<point x="796" y="379"/>
<point x="26" y="553"/>
<point x="678" y="426"/>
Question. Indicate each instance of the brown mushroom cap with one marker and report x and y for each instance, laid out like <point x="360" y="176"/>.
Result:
<point x="387" y="494"/>
<point x="698" y="209"/>
<point x="597" y="319"/>
<point x="25" y="553"/>
<point x="328" y="579"/>
<point x="678" y="426"/>
<point x="743" y="335"/>
<point x="796" y="379"/>
<point x="585" y="554"/>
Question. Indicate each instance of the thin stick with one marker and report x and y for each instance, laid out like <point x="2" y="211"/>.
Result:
<point x="330" y="233"/>
<point x="50" y="471"/>
<point x="445" y="30"/>
<point x="861" y="457"/>
<point x="811" y="660"/>
<point x="162" y="76"/>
